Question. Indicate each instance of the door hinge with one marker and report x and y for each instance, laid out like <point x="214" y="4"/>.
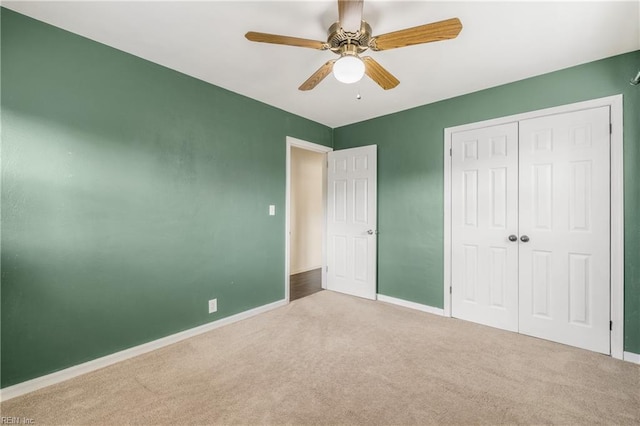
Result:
<point x="610" y="128"/>
<point x="326" y="268"/>
<point x="450" y="151"/>
<point x="610" y="325"/>
<point x="450" y="290"/>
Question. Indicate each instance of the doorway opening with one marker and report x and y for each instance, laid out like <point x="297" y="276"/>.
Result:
<point x="305" y="254"/>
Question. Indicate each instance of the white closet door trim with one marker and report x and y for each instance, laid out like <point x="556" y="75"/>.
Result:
<point x="617" y="230"/>
<point x="617" y="204"/>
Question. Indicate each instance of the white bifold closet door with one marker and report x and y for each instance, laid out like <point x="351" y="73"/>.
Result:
<point x="484" y="182"/>
<point x="531" y="227"/>
<point x="564" y="212"/>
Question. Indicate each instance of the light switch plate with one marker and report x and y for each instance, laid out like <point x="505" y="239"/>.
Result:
<point x="213" y="305"/>
<point x="272" y="210"/>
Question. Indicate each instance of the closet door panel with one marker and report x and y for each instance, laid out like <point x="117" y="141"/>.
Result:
<point x="564" y="214"/>
<point x="484" y="215"/>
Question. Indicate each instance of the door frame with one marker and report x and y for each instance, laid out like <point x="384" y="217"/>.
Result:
<point x="309" y="146"/>
<point x="617" y="203"/>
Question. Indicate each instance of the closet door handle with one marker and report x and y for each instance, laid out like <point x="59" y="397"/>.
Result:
<point x="524" y="239"/>
<point x="513" y="238"/>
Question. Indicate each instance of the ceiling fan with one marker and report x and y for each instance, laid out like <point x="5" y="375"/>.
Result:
<point x="351" y="36"/>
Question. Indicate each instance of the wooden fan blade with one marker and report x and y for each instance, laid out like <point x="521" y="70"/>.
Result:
<point x="435" y="31"/>
<point x="318" y="76"/>
<point x="377" y="73"/>
<point x="286" y="40"/>
<point x="350" y="15"/>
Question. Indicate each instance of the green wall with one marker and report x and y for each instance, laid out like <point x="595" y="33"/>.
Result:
<point x="410" y="173"/>
<point x="131" y="194"/>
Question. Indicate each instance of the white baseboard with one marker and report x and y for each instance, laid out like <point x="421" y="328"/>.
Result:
<point x="631" y="357"/>
<point x="412" y="305"/>
<point x="96" y="364"/>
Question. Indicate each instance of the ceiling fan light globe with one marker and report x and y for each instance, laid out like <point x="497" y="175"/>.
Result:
<point x="348" y="69"/>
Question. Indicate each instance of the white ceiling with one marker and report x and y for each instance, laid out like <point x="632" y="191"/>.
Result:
<point x="501" y="42"/>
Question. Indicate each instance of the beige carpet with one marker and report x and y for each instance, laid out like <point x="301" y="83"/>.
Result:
<point x="335" y="359"/>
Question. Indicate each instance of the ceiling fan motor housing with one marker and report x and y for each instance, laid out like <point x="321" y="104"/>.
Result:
<point x="355" y="43"/>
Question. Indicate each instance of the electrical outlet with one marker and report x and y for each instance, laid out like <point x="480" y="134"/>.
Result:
<point x="213" y="305"/>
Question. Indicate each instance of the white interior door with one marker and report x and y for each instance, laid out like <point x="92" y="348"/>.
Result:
<point x="351" y="221"/>
<point x="564" y="219"/>
<point x="484" y="185"/>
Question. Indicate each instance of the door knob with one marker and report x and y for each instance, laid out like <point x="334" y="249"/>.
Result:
<point x="524" y="239"/>
<point x="513" y="238"/>
<point x="370" y="232"/>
